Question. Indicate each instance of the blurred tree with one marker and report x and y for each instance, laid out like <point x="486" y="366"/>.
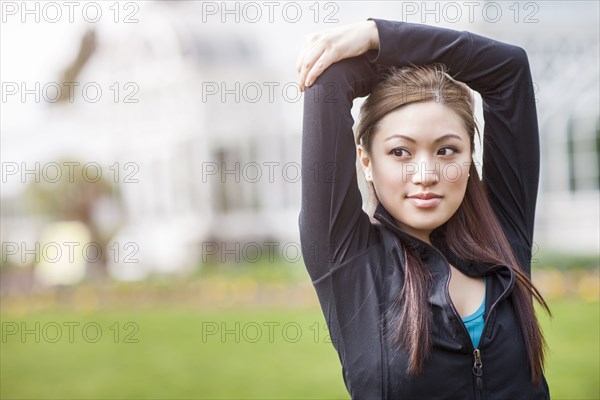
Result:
<point x="72" y="195"/>
<point x="87" y="46"/>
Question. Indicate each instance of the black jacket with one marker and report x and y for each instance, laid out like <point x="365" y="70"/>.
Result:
<point x="356" y="265"/>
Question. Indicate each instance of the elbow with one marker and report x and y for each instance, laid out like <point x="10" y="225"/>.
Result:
<point x="330" y="87"/>
<point x="347" y="78"/>
<point x="518" y="57"/>
<point x="337" y="74"/>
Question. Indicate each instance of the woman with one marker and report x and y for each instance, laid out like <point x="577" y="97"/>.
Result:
<point x="430" y="297"/>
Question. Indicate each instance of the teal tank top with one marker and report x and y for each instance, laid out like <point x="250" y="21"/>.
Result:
<point x="474" y="322"/>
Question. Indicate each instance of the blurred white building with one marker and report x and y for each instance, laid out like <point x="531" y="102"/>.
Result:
<point x="218" y="163"/>
<point x="193" y="127"/>
<point x="201" y="130"/>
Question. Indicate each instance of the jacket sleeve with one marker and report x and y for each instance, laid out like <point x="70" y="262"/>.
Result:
<point x="333" y="225"/>
<point x="500" y="73"/>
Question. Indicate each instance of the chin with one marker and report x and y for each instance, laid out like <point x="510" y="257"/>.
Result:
<point x="427" y="228"/>
<point x="421" y="225"/>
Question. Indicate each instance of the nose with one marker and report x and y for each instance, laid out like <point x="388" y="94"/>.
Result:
<point x="426" y="173"/>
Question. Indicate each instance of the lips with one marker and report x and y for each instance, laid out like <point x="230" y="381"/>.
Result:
<point x="425" y="200"/>
<point x="424" y="196"/>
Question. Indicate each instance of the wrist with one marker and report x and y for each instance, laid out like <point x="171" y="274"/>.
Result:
<point x="373" y="35"/>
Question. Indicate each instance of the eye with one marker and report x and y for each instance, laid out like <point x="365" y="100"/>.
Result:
<point x="446" y="148"/>
<point x="397" y="152"/>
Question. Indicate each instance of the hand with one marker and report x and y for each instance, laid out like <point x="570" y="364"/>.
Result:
<point x="321" y="49"/>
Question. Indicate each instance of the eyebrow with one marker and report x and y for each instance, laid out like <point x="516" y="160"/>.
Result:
<point x="441" y="138"/>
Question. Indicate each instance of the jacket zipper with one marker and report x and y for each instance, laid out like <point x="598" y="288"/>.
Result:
<point x="477" y="369"/>
<point x="477" y="364"/>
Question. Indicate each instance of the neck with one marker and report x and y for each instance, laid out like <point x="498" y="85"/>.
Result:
<point x="422" y="235"/>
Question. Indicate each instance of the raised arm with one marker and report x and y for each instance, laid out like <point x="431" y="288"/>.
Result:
<point x="333" y="226"/>
<point x="500" y="73"/>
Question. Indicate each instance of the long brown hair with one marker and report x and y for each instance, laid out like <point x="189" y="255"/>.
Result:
<point x="466" y="236"/>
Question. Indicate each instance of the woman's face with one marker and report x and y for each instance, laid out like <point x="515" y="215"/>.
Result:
<point x="421" y="148"/>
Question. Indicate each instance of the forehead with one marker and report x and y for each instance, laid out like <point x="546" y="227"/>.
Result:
<point x="424" y="122"/>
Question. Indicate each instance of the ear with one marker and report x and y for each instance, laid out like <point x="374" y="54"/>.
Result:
<point x="365" y="162"/>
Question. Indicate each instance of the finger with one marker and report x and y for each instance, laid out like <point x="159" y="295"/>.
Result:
<point x="309" y="42"/>
<point x="299" y="62"/>
<point x="309" y="57"/>
<point x="301" y="56"/>
<point x="320" y="65"/>
<point x="300" y="68"/>
<point x="308" y="62"/>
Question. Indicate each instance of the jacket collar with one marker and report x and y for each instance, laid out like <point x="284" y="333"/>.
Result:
<point x="417" y="246"/>
<point x="439" y="245"/>
<point x="414" y="243"/>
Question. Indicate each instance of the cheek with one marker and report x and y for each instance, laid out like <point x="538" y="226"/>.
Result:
<point x="388" y="175"/>
<point x="456" y="179"/>
<point x="455" y="173"/>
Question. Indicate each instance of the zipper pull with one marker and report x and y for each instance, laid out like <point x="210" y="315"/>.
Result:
<point x="477" y="368"/>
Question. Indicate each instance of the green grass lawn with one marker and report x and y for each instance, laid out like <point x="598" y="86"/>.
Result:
<point x="276" y="353"/>
<point x="573" y="336"/>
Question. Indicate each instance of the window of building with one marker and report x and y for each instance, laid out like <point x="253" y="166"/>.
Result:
<point x="583" y="146"/>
